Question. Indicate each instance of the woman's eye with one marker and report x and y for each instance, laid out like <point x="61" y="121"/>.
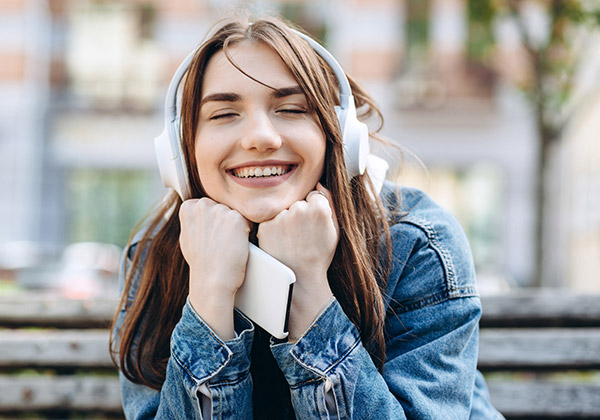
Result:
<point x="223" y="116"/>
<point x="293" y="111"/>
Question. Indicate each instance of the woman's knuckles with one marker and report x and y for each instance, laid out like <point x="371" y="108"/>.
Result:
<point x="206" y="212"/>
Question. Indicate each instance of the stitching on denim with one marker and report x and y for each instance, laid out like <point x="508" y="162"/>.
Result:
<point x="323" y="373"/>
<point x="202" y="379"/>
<point x="228" y="382"/>
<point x="307" y="382"/>
<point x="184" y="367"/>
<point x="209" y="375"/>
<point x="460" y="292"/>
<point x="442" y="251"/>
<point x="344" y="356"/>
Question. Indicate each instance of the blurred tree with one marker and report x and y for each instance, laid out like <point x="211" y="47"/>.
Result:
<point x="552" y="54"/>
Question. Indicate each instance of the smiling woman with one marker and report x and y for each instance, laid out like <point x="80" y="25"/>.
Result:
<point x="383" y="318"/>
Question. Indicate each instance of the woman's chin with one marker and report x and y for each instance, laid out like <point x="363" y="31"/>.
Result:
<point x="263" y="210"/>
<point x="259" y="216"/>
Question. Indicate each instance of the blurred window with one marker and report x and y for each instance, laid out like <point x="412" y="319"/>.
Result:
<point x="112" y="59"/>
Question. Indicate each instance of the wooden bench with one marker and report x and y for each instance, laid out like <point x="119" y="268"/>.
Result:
<point x="54" y="359"/>
<point x="540" y="352"/>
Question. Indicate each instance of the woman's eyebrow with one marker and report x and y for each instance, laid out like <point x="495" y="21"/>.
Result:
<point x="287" y="91"/>
<point x="234" y="97"/>
<point x="221" y="97"/>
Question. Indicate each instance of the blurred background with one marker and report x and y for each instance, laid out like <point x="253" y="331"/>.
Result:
<point x="495" y="103"/>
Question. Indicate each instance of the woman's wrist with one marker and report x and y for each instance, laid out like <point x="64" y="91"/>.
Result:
<point x="215" y="306"/>
<point x="305" y="308"/>
<point x="218" y="317"/>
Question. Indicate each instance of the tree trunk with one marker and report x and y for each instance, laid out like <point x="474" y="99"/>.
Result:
<point x="545" y="138"/>
<point x="539" y="212"/>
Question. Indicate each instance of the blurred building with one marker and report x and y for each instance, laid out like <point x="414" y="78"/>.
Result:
<point x="83" y="86"/>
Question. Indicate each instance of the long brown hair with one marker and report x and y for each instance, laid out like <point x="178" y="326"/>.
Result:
<point x="142" y="341"/>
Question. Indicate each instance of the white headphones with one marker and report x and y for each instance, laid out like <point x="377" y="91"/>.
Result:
<point x="171" y="161"/>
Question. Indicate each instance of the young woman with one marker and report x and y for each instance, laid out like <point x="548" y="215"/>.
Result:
<point x="384" y="313"/>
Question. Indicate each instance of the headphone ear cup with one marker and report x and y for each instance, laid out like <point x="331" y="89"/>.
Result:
<point x="355" y="135"/>
<point x="171" y="162"/>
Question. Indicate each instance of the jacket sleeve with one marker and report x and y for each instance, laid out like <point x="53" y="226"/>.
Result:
<point x="431" y="344"/>
<point x="205" y="377"/>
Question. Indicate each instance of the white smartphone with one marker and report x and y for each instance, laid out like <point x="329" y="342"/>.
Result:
<point x="266" y="293"/>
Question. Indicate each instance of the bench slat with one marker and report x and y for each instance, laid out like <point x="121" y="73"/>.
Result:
<point x="499" y="348"/>
<point x="545" y="399"/>
<point x="51" y="310"/>
<point x="522" y="308"/>
<point x="99" y="394"/>
<point x="535" y="308"/>
<point x="55" y="348"/>
<point x="103" y="395"/>
<point x="539" y="348"/>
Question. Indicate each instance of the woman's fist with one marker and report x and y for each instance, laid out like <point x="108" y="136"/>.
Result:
<point x="214" y="242"/>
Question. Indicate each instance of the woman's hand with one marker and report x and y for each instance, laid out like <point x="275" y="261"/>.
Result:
<point x="304" y="238"/>
<point x="214" y="242"/>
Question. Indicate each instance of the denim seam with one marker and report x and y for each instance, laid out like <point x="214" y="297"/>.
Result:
<point x="307" y="382"/>
<point x="229" y="382"/>
<point x="344" y="356"/>
<point x="219" y="367"/>
<point x="434" y="242"/>
<point x="200" y="380"/>
<point x="323" y="373"/>
<point x="460" y="292"/>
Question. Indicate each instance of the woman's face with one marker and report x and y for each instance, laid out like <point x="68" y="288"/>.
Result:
<point x="258" y="149"/>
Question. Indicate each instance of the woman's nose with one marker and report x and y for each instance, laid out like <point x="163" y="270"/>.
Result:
<point x="259" y="133"/>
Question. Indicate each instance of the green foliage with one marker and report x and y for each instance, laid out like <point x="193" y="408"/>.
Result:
<point x="482" y="11"/>
<point x="552" y="63"/>
<point x="480" y="15"/>
<point x="417" y="30"/>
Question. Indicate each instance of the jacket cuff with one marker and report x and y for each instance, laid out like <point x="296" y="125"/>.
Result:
<point x="330" y="338"/>
<point x="204" y="356"/>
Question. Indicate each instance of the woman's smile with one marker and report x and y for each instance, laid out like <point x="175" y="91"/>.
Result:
<point x="262" y="175"/>
<point x="261" y="171"/>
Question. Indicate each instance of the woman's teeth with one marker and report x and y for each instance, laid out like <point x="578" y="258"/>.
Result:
<point x="261" y="172"/>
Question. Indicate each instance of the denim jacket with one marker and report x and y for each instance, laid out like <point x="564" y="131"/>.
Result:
<point x="431" y="331"/>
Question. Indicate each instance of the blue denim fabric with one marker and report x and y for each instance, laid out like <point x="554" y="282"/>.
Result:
<point x="431" y="332"/>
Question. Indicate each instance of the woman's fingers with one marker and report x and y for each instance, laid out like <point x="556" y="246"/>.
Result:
<point x="321" y="191"/>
